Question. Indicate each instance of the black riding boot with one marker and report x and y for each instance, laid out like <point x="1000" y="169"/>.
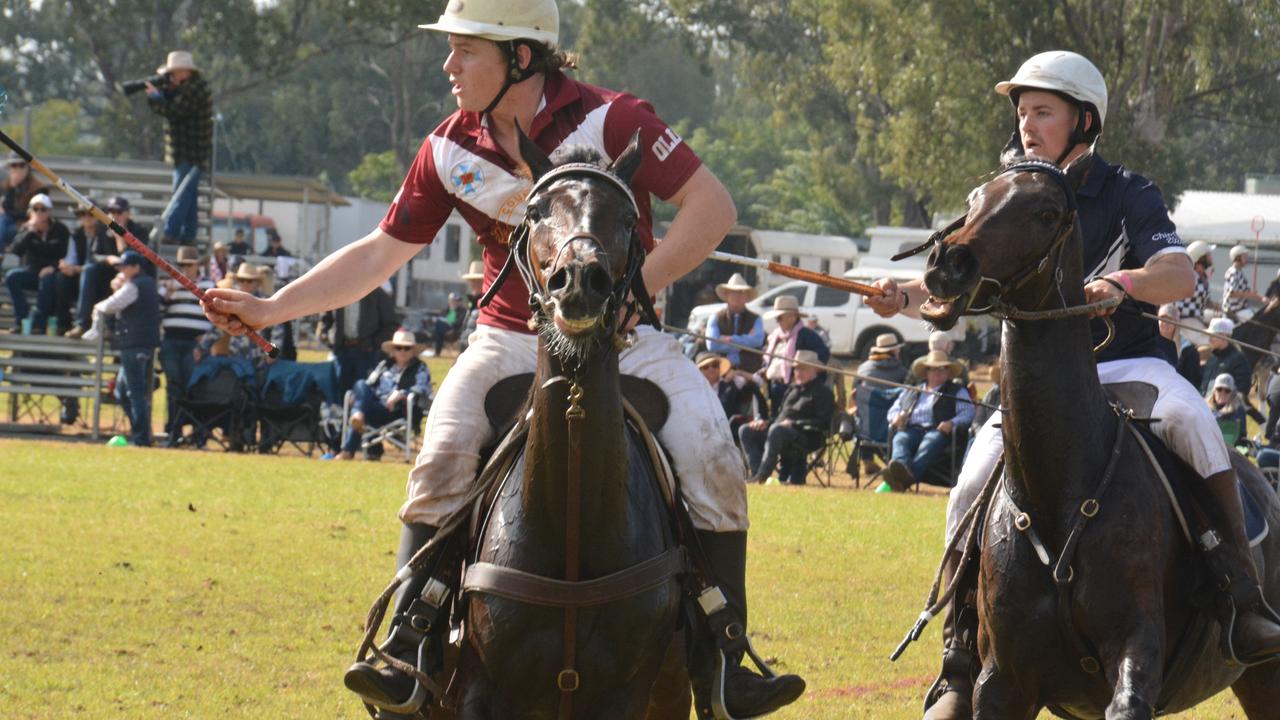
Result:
<point x="386" y="687"/>
<point x="1251" y="628"/>
<point x="951" y="696"/>
<point x="746" y="694"/>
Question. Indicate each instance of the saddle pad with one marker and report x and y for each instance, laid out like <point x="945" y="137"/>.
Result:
<point x="1255" y="521"/>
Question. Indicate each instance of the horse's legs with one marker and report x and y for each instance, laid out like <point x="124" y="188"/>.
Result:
<point x="1138" y="672"/>
<point x="997" y="697"/>
<point x="1258" y="691"/>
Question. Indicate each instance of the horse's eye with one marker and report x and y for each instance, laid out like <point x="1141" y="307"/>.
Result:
<point x="1048" y="216"/>
<point x="533" y="214"/>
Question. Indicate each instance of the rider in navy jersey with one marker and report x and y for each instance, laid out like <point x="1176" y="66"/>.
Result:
<point x="1130" y="251"/>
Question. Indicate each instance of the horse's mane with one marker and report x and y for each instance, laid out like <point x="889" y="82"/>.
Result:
<point x="577" y="154"/>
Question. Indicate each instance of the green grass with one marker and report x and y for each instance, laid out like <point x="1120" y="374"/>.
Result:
<point x="167" y="584"/>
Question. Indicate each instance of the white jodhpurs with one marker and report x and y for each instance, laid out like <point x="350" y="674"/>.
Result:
<point x="1186" y="427"/>
<point x="711" y="469"/>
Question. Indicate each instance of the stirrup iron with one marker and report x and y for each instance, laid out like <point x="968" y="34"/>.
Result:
<point x="731" y="637"/>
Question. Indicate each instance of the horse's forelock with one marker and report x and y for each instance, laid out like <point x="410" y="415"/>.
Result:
<point x="577" y="154"/>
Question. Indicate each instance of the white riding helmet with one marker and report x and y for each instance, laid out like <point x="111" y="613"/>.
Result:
<point x="1197" y="250"/>
<point x="1238" y="251"/>
<point x="1065" y="72"/>
<point x="501" y="20"/>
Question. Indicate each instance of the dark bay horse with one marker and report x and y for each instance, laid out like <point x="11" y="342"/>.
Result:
<point x="574" y="509"/>
<point x="1114" y="633"/>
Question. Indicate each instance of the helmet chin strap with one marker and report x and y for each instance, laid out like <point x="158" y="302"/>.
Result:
<point x="514" y="73"/>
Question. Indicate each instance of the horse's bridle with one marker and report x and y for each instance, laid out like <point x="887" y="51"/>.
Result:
<point x="1033" y="269"/>
<point x="522" y="255"/>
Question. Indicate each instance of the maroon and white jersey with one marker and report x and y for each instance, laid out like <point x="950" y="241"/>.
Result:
<point x="461" y="167"/>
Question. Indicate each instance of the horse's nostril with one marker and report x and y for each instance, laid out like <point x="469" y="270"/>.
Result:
<point x="559" y="280"/>
<point x="597" y="279"/>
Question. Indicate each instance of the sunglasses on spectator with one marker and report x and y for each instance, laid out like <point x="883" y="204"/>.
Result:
<point x="39" y="209"/>
<point x="17" y="164"/>
<point x="402" y="348"/>
<point x="116" y="211"/>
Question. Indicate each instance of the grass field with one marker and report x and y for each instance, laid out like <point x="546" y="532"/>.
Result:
<point x="173" y="584"/>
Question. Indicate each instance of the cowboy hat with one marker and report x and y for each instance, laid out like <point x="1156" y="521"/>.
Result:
<point x="187" y="255"/>
<point x="936" y="359"/>
<point x="885" y="344"/>
<point x="475" y="271"/>
<point x="807" y="358"/>
<point x="782" y="305"/>
<point x="178" y="60"/>
<point x="706" y="358"/>
<point x="248" y="271"/>
<point x="736" y="282"/>
<point x="403" y="338"/>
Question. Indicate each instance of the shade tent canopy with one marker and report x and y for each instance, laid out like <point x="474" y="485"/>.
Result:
<point x="239" y="186"/>
<point x="1226" y="218"/>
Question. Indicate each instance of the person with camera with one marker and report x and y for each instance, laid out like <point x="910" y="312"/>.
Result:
<point x="180" y="94"/>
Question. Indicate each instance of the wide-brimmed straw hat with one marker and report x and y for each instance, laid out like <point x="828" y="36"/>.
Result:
<point x="885" y="344"/>
<point x="736" y="282"/>
<point x="782" y="305"/>
<point x="178" y="60"/>
<point x="187" y="255"/>
<point x="475" y="271"/>
<point x="807" y="358"/>
<point x="704" y="359"/>
<point x="936" y="359"/>
<point x="403" y="338"/>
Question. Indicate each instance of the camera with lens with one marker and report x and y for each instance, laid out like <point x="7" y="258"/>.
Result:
<point x="160" y="80"/>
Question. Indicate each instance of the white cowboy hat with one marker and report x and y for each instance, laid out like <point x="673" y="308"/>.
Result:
<point x="806" y="358"/>
<point x="178" y="60"/>
<point x="707" y="358"/>
<point x="886" y="343"/>
<point x="782" y="305"/>
<point x="475" y="271"/>
<point x="248" y="271"/>
<point x="936" y="359"/>
<point x="403" y="338"/>
<point x="737" y="282"/>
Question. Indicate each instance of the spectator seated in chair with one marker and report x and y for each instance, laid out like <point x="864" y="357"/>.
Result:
<point x="925" y="422"/>
<point x="739" y="393"/>
<point x="804" y="418"/>
<point x="1225" y="357"/>
<point x="381" y="398"/>
<point x="884" y="362"/>
<point x="1231" y="410"/>
<point x="781" y="346"/>
<point x="41" y="243"/>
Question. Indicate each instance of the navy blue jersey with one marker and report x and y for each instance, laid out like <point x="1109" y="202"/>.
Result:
<point x="1125" y="225"/>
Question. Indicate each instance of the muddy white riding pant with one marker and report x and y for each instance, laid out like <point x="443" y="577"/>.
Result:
<point x="711" y="469"/>
<point x="1186" y="427"/>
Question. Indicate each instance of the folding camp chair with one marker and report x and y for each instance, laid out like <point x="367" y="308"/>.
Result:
<point x="402" y="433"/>
<point x="217" y="404"/>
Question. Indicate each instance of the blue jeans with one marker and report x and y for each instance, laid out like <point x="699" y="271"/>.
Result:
<point x="133" y="392"/>
<point x="183" y="222"/>
<point x="95" y="285"/>
<point x="177" y="361"/>
<point x="919" y="448"/>
<point x="19" y="281"/>
<point x="375" y="414"/>
<point x="8" y="231"/>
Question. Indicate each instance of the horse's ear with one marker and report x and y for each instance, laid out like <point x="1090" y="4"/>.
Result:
<point x="532" y="155"/>
<point x="629" y="161"/>
<point x="1078" y="170"/>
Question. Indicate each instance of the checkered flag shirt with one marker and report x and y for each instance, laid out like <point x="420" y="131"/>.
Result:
<point x="188" y="136"/>
<point x="1193" y="306"/>
<point x="1234" y="281"/>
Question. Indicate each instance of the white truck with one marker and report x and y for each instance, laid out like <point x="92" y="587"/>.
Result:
<point x="852" y="325"/>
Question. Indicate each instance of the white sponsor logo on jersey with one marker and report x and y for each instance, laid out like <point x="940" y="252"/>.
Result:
<point x="665" y="145"/>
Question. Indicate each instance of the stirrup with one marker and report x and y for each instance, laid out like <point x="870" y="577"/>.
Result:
<point x="418" y="627"/>
<point x="1235" y="590"/>
<point x="731" y="636"/>
<point x="1225" y="642"/>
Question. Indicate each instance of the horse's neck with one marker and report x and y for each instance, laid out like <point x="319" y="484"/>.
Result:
<point x="602" y="454"/>
<point x="1056" y="423"/>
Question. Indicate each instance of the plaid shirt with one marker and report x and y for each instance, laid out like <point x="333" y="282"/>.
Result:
<point x="188" y="107"/>
<point x="1234" y="281"/>
<point x="1194" y="305"/>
